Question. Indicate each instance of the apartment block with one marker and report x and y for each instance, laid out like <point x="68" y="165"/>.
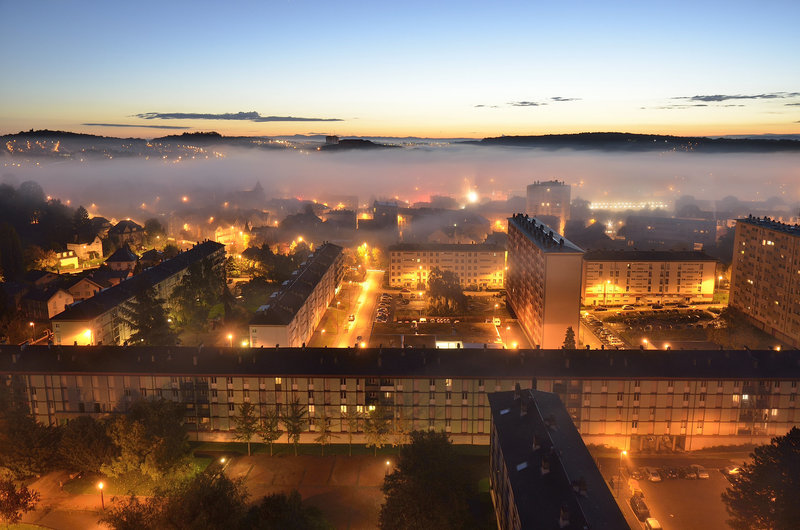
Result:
<point x="293" y="313"/>
<point x="538" y="463"/>
<point x="549" y="201"/>
<point x="642" y="400"/>
<point x="617" y="277"/>
<point x="543" y="280"/>
<point x="96" y="320"/>
<point x="480" y="266"/>
<point x="765" y="276"/>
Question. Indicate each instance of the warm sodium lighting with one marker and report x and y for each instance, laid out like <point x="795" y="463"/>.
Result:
<point x="100" y="485"/>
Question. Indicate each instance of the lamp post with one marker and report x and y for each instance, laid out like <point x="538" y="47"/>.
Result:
<point x="102" y="501"/>
<point x="719" y="281"/>
<point x="622" y="454"/>
<point x="388" y="465"/>
<point x="230" y="340"/>
<point x="605" y="285"/>
<point x="33" y="330"/>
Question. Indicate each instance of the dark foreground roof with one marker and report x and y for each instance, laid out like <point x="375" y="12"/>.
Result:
<point x="114" y="296"/>
<point x="533" y="428"/>
<point x="469" y="363"/>
<point x="544" y="237"/>
<point x="284" y="305"/>
<point x="646" y="255"/>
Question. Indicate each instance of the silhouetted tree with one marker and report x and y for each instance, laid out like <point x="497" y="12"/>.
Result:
<point x="146" y="317"/>
<point x="765" y="492"/>
<point x="569" y="340"/>
<point x="85" y="445"/>
<point x="286" y="512"/>
<point x="15" y="501"/>
<point x="428" y="488"/>
<point x="11" y="257"/>
<point x="324" y="433"/>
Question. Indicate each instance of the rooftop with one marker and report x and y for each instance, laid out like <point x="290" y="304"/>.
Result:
<point x="123" y="255"/>
<point x="766" y="222"/>
<point x="646" y="255"/>
<point x="113" y="296"/>
<point x="284" y="305"/>
<point x="548" y="183"/>
<point x="445" y="247"/>
<point x="417" y="362"/>
<point x="535" y="432"/>
<point x="542" y="235"/>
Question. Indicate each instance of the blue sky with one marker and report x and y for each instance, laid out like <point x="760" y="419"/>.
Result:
<point x="412" y="68"/>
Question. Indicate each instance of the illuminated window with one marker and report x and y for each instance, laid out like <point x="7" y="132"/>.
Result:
<point x="343" y="409"/>
<point x="278" y="381"/>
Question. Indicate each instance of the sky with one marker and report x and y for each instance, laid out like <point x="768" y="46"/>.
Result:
<point x="430" y="69"/>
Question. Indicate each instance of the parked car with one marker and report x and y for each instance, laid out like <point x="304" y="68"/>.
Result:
<point x="652" y="524"/>
<point x="653" y="476"/>
<point x="640" y="508"/>
<point x="600" y="308"/>
<point x="657" y="306"/>
<point x="628" y="307"/>
<point x="731" y="470"/>
<point x="351" y="318"/>
<point x="700" y="471"/>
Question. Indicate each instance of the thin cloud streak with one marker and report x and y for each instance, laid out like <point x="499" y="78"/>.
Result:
<point x="725" y="97"/>
<point x="237" y="116"/>
<point x="134" y="125"/>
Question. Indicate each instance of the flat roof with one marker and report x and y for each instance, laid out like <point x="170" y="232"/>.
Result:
<point x="766" y="222"/>
<point x="646" y="255"/>
<point x="533" y="427"/>
<point x="542" y="235"/>
<point x="473" y="363"/>
<point x="110" y="298"/>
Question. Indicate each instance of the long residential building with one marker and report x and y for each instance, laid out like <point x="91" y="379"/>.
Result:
<point x="616" y="277"/>
<point x="640" y="400"/>
<point x="543" y="281"/>
<point x="96" y="320"/>
<point x="765" y="276"/>
<point x="293" y="313"/>
<point x="480" y="266"/>
<point x="541" y="474"/>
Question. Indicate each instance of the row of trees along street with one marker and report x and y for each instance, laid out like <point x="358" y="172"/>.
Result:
<point x="294" y="418"/>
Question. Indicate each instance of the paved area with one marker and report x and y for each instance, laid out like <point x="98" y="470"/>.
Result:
<point x="60" y="510"/>
<point x="346" y="489"/>
<point x="678" y="504"/>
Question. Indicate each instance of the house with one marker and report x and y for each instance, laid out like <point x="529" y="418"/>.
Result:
<point x="39" y="278"/>
<point x="87" y="249"/>
<point x="128" y="232"/>
<point x="43" y="304"/>
<point x="123" y="259"/>
<point x="151" y="258"/>
<point x="67" y="260"/>
<point x="81" y="288"/>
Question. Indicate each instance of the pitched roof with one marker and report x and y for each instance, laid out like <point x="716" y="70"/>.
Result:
<point x="125" y="225"/>
<point x="123" y="254"/>
<point x="533" y="429"/>
<point x="284" y="305"/>
<point x="113" y="296"/>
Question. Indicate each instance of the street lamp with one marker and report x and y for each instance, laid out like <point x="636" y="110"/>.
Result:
<point x="102" y="501"/>
<point x="33" y="329"/>
<point x="388" y="464"/>
<point x="230" y="340"/>
<point x="622" y="454"/>
<point x="719" y="281"/>
<point x="605" y="285"/>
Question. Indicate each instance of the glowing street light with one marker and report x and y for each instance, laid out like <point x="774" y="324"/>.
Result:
<point x="388" y="465"/>
<point x="33" y="330"/>
<point x="230" y="340"/>
<point x="102" y="501"/>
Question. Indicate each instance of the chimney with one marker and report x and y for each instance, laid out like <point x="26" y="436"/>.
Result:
<point x="545" y="468"/>
<point x="563" y="518"/>
<point x="194" y="360"/>
<point x="517" y="392"/>
<point x="536" y="442"/>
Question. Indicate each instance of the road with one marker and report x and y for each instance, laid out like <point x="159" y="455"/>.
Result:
<point x="364" y="311"/>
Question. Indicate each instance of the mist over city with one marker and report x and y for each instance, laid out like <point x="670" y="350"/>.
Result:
<point x="405" y="266"/>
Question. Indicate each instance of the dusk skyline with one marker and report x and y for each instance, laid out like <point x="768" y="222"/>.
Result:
<point x="419" y="70"/>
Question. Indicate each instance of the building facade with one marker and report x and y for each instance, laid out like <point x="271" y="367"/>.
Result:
<point x="550" y="199"/>
<point x="642" y="400"/>
<point x="765" y="276"/>
<point x="616" y="277"/>
<point x="96" y="320"/>
<point x="293" y="313"/>
<point x="543" y="281"/>
<point x="477" y="266"/>
<point x="667" y="233"/>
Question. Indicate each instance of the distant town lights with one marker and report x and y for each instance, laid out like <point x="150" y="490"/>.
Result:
<point x="472" y="196"/>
